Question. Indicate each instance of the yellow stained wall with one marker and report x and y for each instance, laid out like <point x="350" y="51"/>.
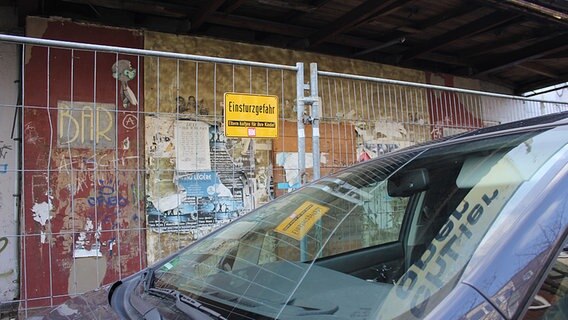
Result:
<point x="167" y="79"/>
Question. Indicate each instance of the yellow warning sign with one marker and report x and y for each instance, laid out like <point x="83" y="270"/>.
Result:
<point x="251" y="115"/>
<point x="299" y="223"/>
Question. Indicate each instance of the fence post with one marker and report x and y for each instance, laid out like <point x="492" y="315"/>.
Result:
<point x="315" y="119"/>
<point x="301" y="127"/>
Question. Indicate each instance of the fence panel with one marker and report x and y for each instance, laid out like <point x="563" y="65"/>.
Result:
<point x="120" y="155"/>
<point x="124" y="159"/>
<point x="364" y="117"/>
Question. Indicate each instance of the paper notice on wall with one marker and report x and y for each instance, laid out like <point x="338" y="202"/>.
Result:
<point x="159" y="136"/>
<point x="192" y="146"/>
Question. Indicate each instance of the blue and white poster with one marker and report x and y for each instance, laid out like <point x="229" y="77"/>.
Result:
<point x="198" y="195"/>
<point x="199" y="184"/>
<point x="203" y="200"/>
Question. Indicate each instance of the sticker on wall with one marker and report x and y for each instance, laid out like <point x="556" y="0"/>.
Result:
<point x="251" y="115"/>
<point x="123" y="71"/>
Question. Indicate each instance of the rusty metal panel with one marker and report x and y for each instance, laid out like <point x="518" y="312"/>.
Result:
<point x="82" y="211"/>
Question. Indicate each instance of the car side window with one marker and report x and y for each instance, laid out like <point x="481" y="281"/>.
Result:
<point x="551" y="301"/>
<point x="382" y="217"/>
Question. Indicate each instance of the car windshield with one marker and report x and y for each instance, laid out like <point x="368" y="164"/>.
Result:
<point x="385" y="238"/>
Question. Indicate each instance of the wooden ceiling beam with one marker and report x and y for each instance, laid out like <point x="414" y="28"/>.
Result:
<point x="539" y="69"/>
<point x="558" y="55"/>
<point x="529" y="9"/>
<point x="542" y="83"/>
<point x="379" y="15"/>
<point x="478" y="26"/>
<point x="232" y="6"/>
<point x="386" y="44"/>
<point x="532" y="52"/>
<point x="258" y="25"/>
<point x="352" y="18"/>
<point x="148" y="7"/>
<point x="404" y="25"/>
<point x="296" y="6"/>
<point x="451" y="14"/>
<point x="285" y="29"/>
<point x="295" y="15"/>
<point x="203" y="13"/>
<point x="504" y="44"/>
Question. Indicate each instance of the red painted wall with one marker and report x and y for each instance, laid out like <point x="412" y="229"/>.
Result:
<point x="448" y="110"/>
<point x="93" y="193"/>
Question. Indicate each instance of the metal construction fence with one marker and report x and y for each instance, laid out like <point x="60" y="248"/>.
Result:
<point x="113" y="158"/>
<point x="389" y="114"/>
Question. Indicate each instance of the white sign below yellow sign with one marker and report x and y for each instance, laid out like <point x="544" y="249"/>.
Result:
<point x="251" y="115"/>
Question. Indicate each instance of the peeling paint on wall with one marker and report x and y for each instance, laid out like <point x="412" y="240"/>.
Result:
<point x="82" y="166"/>
<point x="383" y="136"/>
<point x="88" y="242"/>
<point x="42" y="214"/>
<point x="289" y="161"/>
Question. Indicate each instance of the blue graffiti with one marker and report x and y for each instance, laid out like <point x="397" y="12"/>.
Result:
<point x="107" y="197"/>
<point x="3" y="168"/>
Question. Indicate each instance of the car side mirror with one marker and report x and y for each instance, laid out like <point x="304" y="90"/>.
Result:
<point x="407" y="183"/>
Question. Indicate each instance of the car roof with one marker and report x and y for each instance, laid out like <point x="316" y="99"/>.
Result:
<point x="534" y="123"/>
<point x="559" y="118"/>
<point x="550" y="120"/>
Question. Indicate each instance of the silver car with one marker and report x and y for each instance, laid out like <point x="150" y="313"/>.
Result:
<point x="472" y="227"/>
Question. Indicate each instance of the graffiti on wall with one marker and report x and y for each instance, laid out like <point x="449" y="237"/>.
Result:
<point x="380" y="137"/>
<point x="84" y="125"/>
<point x="3" y="245"/>
<point x="107" y="197"/>
<point x="82" y="167"/>
<point x="4" y="148"/>
<point x="7" y="270"/>
<point x="123" y="71"/>
<point x="9" y="273"/>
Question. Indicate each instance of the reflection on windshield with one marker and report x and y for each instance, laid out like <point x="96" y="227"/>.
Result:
<point x="391" y="235"/>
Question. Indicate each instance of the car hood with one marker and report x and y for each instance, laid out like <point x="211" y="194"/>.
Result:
<point x="91" y="305"/>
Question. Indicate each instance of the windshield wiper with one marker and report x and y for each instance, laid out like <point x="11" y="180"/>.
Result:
<point x="192" y="308"/>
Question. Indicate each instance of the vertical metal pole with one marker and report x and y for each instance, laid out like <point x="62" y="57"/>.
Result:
<point x="315" y="140"/>
<point x="301" y="129"/>
<point x="315" y="119"/>
<point x="301" y="143"/>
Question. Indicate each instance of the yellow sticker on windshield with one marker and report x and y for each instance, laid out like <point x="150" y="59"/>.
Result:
<point x="299" y="223"/>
